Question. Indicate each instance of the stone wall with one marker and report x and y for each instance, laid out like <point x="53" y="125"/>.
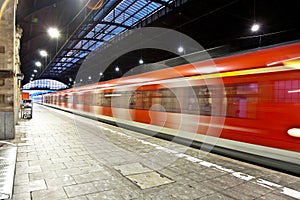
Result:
<point x="9" y="68"/>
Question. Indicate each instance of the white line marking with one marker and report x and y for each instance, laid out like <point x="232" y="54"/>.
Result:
<point x="246" y="177"/>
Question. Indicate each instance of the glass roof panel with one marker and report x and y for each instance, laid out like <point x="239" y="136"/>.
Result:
<point x="126" y="13"/>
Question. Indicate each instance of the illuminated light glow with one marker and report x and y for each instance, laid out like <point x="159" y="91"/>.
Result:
<point x="100" y="73"/>
<point x="38" y="64"/>
<point x="294" y="91"/>
<point x="3" y="7"/>
<point x="180" y="49"/>
<point x="283" y="61"/>
<point x="32" y="75"/>
<point x="53" y="32"/>
<point x="255" y="27"/>
<point x="113" y="95"/>
<point x="295" y="64"/>
<point x="141" y="61"/>
<point x="241" y="72"/>
<point x="117" y="69"/>
<point x="274" y="63"/>
<point x="294" y="132"/>
<point x="43" y="53"/>
<point x="95" y="4"/>
<point x="90" y="77"/>
<point x="35" y="71"/>
<point x="35" y="20"/>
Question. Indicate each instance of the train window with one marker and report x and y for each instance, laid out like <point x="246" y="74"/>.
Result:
<point x="139" y="100"/>
<point x="212" y="100"/>
<point x="241" y="100"/>
<point x="70" y="99"/>
<point x="166" y="100"/>
<point x="99" y="99"/>
<point x="147" y="100"/>
<point x="287" y="91"/>
<point x="75" y="98"/>
<point x="65" y="98"/>
<point x="117" y="99"/>
<point x="132" y="101"/>
<point x="87" y="98"/>
<point x="78" y="99"/>
<point x="155" y="99"/>
<point x="124" y="100"/>
<point x="205" y="101"/>
<point x="54" y="99"/>
<point x="106" y="100"/>
<point x="95" y="99"/>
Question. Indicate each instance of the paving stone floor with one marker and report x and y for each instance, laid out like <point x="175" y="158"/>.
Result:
<point x="62" y="156"/>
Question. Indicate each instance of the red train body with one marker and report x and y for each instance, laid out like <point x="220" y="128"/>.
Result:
<point x="260" y="91"/>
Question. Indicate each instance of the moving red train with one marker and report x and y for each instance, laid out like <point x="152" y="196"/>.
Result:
<point x="251" y="104"/>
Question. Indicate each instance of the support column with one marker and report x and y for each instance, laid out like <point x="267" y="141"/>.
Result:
<point x="9" y="68"/>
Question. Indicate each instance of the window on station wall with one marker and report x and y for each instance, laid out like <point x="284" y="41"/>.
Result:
<point x="286" y="91"/>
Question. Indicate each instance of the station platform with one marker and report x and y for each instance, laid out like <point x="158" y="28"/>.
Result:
<point x="61" y="156"/>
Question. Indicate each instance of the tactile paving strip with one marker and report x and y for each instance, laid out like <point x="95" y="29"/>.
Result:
<point x="8" y="154"/>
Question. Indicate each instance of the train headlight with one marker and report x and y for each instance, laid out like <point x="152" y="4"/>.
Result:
<point x="294" y="132"/>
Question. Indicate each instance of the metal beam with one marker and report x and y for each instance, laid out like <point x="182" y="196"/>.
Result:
<point x="163" y="3"/>
<point x="115" y="24"/>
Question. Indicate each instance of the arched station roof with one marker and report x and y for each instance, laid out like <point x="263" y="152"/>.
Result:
<point x="45" y="84"/>
<point x="84" y="27"/>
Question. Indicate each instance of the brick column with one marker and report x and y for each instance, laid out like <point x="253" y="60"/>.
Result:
<point x="9" y="68"/>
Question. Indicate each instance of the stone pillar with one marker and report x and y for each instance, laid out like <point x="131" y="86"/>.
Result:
<point x="9" y="68"/>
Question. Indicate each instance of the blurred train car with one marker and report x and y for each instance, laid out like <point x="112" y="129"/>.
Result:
<point x="258" y="97"/>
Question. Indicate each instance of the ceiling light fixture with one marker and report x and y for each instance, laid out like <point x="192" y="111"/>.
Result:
<point x="141" y="61"/>
<point x="38" y="64"/>
<point x="53" y="32"/>
<point x="43" y="53"/>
